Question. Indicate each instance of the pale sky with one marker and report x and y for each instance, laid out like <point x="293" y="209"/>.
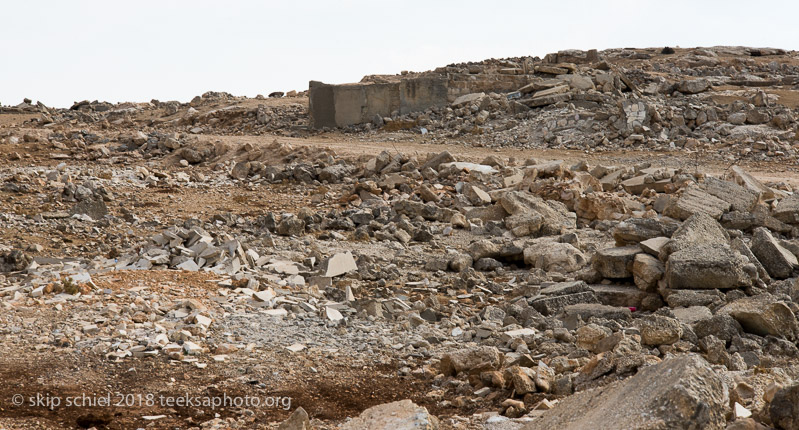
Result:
<point x="61" y="51"/>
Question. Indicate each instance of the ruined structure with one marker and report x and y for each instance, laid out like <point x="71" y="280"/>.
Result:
<point x="347" y="104"/>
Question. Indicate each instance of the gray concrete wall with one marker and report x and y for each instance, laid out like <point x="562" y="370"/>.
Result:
<point x="347" y="104"/>
<point x="422" y="93"/>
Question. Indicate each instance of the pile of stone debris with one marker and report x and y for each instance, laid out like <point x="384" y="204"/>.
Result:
<point x="720" y="99"/>
<point x="535" y="288"/>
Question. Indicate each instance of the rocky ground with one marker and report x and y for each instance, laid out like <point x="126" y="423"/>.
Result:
<point x="611" y="246"/>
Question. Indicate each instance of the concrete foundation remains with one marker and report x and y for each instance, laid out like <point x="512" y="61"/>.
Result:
<point x="347" y="104"/>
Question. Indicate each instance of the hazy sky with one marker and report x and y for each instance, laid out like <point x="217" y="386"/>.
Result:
<point x="64" y="51"/>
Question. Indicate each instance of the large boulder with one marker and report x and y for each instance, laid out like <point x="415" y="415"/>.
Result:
<point x="616" y="263"/>
<point x="699" y="229"/>
<point x="778" y="261"/>
<point x="556" y="218"/>
<point x="554" y="257"/>
<point x="763" y="315"/>
<point x="679" y="393"/>
<point x="695" y="200"/>
<point x="464" y="360"/>
<point x="400" y="415"/>
<point x="635" y="230"/>
<point x="708" y="267"/>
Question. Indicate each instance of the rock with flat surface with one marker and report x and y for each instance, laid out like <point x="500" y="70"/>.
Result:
<point x="778" y="261"/>
<point x="763" y="315"/>
<point x="616" y="263"/>
<point x="635" y="230"/>
<point x="707" y="267"/>
<point x="588" y="310"/>
<point x="699" y="229"/>
<point x="557" y="219"/>
<point x="787" y="210"/>
<point x="339" y="264"/>
<point x="654" y="245"/>
<point x="693" y="86"/>
<point x="554" y="256"/>
<point x="400" y="415"/>
<point x="739" y="198"/>
<point x="647" y="271"/>
<point x="467" y="359"/>
<point x="694" y="200"/>
<point x="751" y="183"/>
<point x="679" y="393"/>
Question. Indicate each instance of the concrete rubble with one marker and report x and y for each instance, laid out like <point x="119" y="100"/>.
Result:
<point x="495" y="292"/>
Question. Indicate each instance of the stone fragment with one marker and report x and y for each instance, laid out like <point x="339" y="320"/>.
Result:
<point x="400" y="415"/>
<point x="467" y="359"/>
<point x="778" y="261"/>
<point x="554" y="256"/>
<point x="784" y="408"/>
<point x="635" y="230"/>
<point x="763" y="315"/>
<point x="616" y="263"/>
<point x="682" y="392"/>
<point x="787" y="209"/>
<point x="647" y="271"/>
<point x="659" y="330"/>
<point x="339" y="264"/>
<point x="557" y="219"/>
<point x="707" y="267"/>
<point x="739" y="198"/>
<point x="298" y="420"/>
<point x="693" y="86"/>
<point x="694" y="200"/>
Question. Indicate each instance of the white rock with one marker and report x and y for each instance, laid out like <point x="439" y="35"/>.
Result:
<point x="340" y="264"/>
<point x="333" y="314"/>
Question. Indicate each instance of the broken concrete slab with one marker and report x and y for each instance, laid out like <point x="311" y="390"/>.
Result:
<point x="635" y="230"/>
<point x="694" y="200"/>
<point x="557" y="219"/>
<point x="400" y="415"/>
<point x="787" y="210"/>
<point x="739" y="198"/>
<point x="616" y="263"/>
<point x="778" y="261"/>
<point x="707" y="266"/>
<point x="749" y="182"/>
<point x="681" y="392"/>
<point x="763" y="315"/>
<point x="340" y="264"/>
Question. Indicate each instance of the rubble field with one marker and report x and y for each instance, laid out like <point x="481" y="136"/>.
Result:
<point x="612" y="244"/>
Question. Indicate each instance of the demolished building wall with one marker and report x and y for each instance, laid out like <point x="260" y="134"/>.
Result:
<point x="347" y="104"/>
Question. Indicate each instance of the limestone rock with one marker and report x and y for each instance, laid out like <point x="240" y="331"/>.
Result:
<point x="400" y="415"/>
<point x="778" y="261"/>
<point x="659" y="330"/>
<point x="682" y="392"/>
<point x="707" y="267"/>
<point x="694" y="200"/>
<point x="763" y="315"/>
<point x="616" y="263"/>
<point x="556" y="217"/>
<point x="470" y="358"/>
<point x="647" y="271"/>
<point x="554" y="256"/>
